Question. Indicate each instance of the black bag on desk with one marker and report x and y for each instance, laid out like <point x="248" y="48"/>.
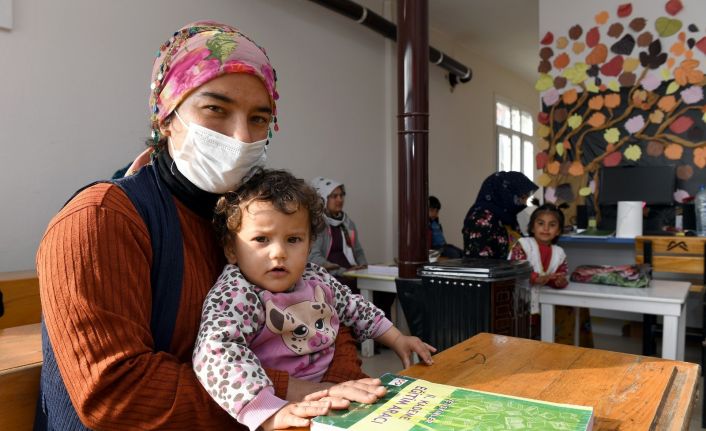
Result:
<point x="621" y="275"/>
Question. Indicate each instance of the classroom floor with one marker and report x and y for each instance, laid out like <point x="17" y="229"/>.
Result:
<point x="387" y="362"/>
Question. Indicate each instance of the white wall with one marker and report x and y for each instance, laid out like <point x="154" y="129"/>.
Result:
<point x="74" y="88"/>
<point x="462" y="142"/>
<point x="73" y="107"/>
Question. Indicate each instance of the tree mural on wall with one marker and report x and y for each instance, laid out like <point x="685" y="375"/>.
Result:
<point x="623" y="92"/>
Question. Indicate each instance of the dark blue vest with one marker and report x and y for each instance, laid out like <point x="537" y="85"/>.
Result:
<point x="155" y="205"/>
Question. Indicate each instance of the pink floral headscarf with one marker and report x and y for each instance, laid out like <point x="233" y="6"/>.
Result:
<point x="198" y="53"/>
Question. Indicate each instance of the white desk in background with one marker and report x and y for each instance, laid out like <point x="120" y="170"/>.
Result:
<point x="380" y="279"/>
<point x="662" y="298"/>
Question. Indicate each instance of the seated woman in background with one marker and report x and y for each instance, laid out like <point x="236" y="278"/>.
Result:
<point x="338" y="248"/>
<point x="490" y="227"/>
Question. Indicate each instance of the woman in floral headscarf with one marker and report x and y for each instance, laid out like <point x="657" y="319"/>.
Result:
<point x="124" y="267"/>
<point x="490" y="227"/>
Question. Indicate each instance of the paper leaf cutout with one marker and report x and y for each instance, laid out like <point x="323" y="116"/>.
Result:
<point x="585" y="191"/>
<point x="559" y="82"/>
<point x="681" y="124"/>
<point x="598" y="55"/>
<point x="635" y="124"/>
<point x="630" y="64"/>
<point x="575" y="32"/>
<point x="564" y="193"/>
<point x="667" y="103"/>
<point x="633" y="152"/>
<point x="654" y="149"/>
<point x="672" y="87"/>
<point x="575" y="121"/>
<point x="550" y="194"/>
<point x="561" y="61"/>
<point x="551" y="96"/>
<point x="613" y="67"/>
<point x="613" y="86"/>
<point x="543" y="131"/>
<point x="562" y="42"/>
<point x="544" y="67"/>
<point x="543" y="144"/>
<point x="546" y="53"/>
<point x="656" y="116"/>
<point x="569" y="96"/>
<point x="592" y="87"/>
<point x="576" y="169"/>
<point x="637" y="24"/>
<point x="611" y="101"/>
<point x="673" y="7"/>
<point x="593" y="37"/>
<point x="612" y="135"/>
<point x="576" y="74"/>
<point x="673" y="151"/>
<point x="545" y="82"/>
<point x="602" y="17"/>
<point x="684" y="172"/>
<point x="624" y="10"/>
<point x="578" y="47"/>
<point x="681" y="195"/>
<point x="701" y="45"/>
<point x="596" y="103"/>
<point x="553" y="167"/>
<point x="543" y="118"/>
<point x="613" y="159"/>
<point x="541" y="159"/>
<point x="644" y="39"/>
<point x="624" y="46"/>
<point x="559" y="149"/>
<point x="560" y="115"/>
<point x="700" y="157"/>
<point x="627" y="79"/>
<point x="650" y="82"/>
<point x="667" y="26"/>
<point x="692" y="94"/>
<point x="596" y="120"/>
<point x="549" y="38"/>
<point x="544" y="180"/>
<point x="615" y="30"/>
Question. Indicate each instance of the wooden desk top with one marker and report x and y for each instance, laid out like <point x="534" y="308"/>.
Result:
<point x="627" y="392"/>
<point x="20" y="346"/>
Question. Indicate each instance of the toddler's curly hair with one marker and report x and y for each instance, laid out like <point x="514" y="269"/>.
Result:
<point x="283" y="190"/>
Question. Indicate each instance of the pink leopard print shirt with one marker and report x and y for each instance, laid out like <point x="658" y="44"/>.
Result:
<point x="245" y="328"/>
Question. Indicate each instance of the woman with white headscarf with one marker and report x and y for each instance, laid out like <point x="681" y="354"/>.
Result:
<point x="337" y="248"/>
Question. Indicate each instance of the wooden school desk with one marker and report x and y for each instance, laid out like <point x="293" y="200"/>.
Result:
<point x="627" y="392"/>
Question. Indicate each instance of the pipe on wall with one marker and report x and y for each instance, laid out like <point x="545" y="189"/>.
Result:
<point x="458" y="72"/>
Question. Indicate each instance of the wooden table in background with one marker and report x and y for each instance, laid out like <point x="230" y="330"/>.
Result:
<point x="627" y="392"/>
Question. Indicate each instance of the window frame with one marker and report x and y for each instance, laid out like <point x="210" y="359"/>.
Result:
<point x="524" y="138"/>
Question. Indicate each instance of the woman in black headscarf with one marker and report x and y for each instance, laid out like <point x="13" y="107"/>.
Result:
<point x="490" y="226"/>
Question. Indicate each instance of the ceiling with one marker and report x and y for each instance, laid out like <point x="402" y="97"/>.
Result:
<point x="503" y="31"/>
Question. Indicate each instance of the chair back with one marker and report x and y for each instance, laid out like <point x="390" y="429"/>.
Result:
<point x="679" y="255"/>
<point x="20" y="299"/>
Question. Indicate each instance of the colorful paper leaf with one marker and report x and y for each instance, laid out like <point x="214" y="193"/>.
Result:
<point x="602" y="17"/>
<point x="667" y="26"/>
<point x="613" y="159"/>
<point x="596" y="120"/>
<point x="575" y="121"/>
<point x="596" y="103"/>
<point x="559" y="149"/>
<point x="635" y="124"/>
<point x="585" y="191"/>
<point x="673" y="7"/>
<point x="673" y="151"/>
<point x="545" y="82"/>
<point x="633" y="152"/>
<point x="624" y="10"/>
<point x="612" y="135"/>
<point x="612" y="100"/>
<point x="576" y="169"/>
<point x="569" y="96"/>
<point x="681" y="124"/>
<point x="544" y="180"/>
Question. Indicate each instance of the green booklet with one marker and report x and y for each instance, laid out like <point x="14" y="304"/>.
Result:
<point x="415" y="404"/>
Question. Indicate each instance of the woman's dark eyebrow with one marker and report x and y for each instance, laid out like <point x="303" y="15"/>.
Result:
<point x="226" y="99"/>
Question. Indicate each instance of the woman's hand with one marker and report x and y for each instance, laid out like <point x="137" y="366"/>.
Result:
<point x="404" y="346"/>
<point x="296" y="414"/>
<point x="330" y="266"/>
<point x="355" y="267"/>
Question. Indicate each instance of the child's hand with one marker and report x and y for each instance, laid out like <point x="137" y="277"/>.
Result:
<point x="405" y="345"/>
<point x="542" y="280"/>
<point x="296" y="414"/>
<point x="560" y="281"/>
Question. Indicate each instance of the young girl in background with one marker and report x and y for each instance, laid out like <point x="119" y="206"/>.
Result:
<point x="549" y="268"/>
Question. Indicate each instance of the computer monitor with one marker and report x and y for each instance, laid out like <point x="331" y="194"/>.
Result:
<point x="654" y="185"/>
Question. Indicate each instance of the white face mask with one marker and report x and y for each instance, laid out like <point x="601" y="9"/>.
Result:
<point x="215" y="162"/>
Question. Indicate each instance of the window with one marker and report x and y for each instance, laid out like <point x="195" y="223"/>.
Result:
<point x="514" y="129"/>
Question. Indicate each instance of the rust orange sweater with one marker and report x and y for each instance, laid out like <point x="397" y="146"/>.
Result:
<point x="94" y="272"/>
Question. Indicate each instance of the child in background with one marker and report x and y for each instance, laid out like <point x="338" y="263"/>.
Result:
<point x="270" y="308"/>
<point x="436" y="239"/>
<point x="550" y="268"/>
